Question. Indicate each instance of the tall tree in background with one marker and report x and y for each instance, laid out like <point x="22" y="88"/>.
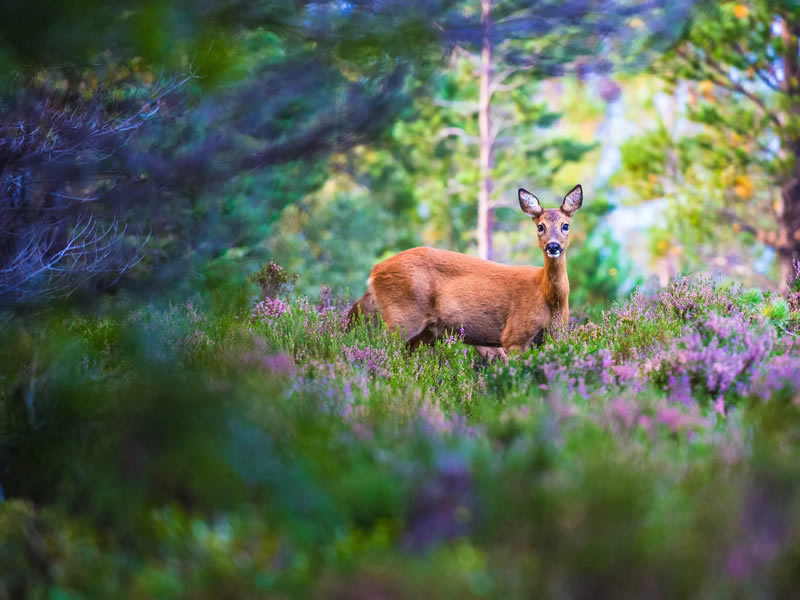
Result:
<point x="88" y="136"/>
<point x="485" y="131"/>
<point x="419" y="181"/>
<point x="738" y="163"/>
<point x="520" y="41"/>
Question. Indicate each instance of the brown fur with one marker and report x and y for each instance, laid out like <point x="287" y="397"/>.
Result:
<point x="366" y="307"/>
<point x="428" y="292"/>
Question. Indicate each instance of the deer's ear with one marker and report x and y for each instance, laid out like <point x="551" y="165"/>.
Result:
<point x="572" y="201"/>
<point x="529" y="204"/>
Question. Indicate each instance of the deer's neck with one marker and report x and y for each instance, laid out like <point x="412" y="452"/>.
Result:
<point x="555" y="283"/>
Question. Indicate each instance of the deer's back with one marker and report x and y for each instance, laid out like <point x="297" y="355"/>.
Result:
<point x="453" y="290"/>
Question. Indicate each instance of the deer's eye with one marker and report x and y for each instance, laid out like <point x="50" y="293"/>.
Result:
<point x="565" y="227"/>
<point x="541" y="228"/>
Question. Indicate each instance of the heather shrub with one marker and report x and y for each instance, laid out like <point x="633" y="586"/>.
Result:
<point x="274" y="281"/>
<point x="188" y="450"/>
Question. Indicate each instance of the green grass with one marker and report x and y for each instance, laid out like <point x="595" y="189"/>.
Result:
<point x="187" y="451"/>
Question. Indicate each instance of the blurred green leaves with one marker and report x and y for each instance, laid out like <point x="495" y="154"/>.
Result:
<point x="729" y="146"/>
<point x="165" y="463"/>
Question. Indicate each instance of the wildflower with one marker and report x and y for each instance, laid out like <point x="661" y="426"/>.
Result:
<point x="362" y="431"/>
<point x="374" y="360"/>
<point x="455" y="337"/>
<point x="279" y="364"/>
<point x="269" y="309"/>
<point x="442" y="507"/>
<point x="197" y="341"/>
<point x="678" y="421"/>
<point x="645" y="422"/>
<point x="624" y="411"/>
<point x="191" y="313"/>
<point x="434" y="420"/>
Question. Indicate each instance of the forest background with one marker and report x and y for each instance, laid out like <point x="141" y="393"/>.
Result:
<point x="176" y="146"/>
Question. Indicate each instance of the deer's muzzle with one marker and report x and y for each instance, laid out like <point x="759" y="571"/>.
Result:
<point x="553" y="250"/>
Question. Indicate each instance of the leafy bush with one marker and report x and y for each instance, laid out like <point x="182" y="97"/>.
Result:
<point x="188" y="451"/>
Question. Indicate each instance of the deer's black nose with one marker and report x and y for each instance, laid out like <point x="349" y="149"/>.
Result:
<point x="553" y="249"/>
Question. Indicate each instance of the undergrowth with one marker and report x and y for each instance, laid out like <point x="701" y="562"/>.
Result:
<point x="266" y="450"/>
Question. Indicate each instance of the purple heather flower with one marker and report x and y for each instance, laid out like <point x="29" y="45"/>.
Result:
<point x="645" y="422"/>
<point x="269" y="309"/>
<point x="444" y="506"/>
<point x="280" y="364"/>
<point x="434" y="420"/>
<point x="374" y="360"/>
<point x="624" y="411"/>
<point x="719" y="406"/>
<point x="362" y="432"/>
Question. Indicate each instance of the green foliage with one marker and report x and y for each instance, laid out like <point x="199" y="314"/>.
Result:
<point x="417" y="185"/>
<point x="729" y="150"/>
<point x="330" y="215"/>
<point x="442" y="150"/>
<point x="601" y="271"/>
<point x="186" y="451"/>
<point x="777" y="312"/>
<point x="643" y="159"/>
<point x="333" y="238"/>
<point x="751" y="298"/>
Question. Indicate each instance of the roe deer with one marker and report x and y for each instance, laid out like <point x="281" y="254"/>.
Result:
<point x="428" y="292"/>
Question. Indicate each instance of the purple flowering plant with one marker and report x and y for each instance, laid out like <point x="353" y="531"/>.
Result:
<point x="658" y="438"/>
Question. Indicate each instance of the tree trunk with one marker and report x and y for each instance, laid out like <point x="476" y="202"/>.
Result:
<point x="788" y="245"/>
<point x="484" y="128"/>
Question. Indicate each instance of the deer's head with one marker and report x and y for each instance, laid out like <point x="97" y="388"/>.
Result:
<point x="552" y="224"/>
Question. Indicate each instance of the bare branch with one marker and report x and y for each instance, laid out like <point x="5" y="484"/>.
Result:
<point x="457" y="132"/>
<point x="501" y="123"/>
<point x="768" y="79"/>
<point x="723" y="80"/>
<point x="499" y="76"/>
<point x="765" y="237"/>
<point x="503" y="87"/>
<point x="463" y="107"/>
